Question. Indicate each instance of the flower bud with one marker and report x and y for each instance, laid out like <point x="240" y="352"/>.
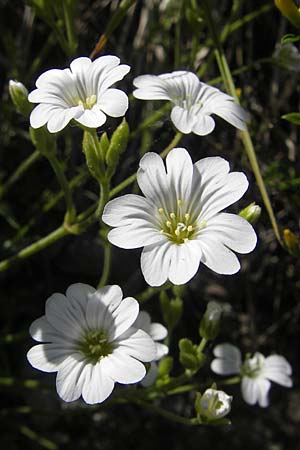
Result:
<point x="19" y="94"/>
<point x="189" y="355"/>
<point x="287" y="56"/>
<point x="213" y="404"/>
<point x="292" y="242"/>
<point x="289" y="10"/>
<point x="210" y="323"/>
<point x="171" y="310"/>
<point x="251" y="213"/>
<point x="117" y="146"/>
<point x="92" y="151"/>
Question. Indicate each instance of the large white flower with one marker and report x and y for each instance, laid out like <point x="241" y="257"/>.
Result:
<point x="157" y="332"/>
<point x="194" y="102"/>
<point x="179" y="222"/>
<point x="82" y="93"/>
<point x="89" y="340"/>
<point x="257" y="372"/>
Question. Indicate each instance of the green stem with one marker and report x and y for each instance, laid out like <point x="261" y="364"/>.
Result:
<point x="57" y="167"/>
<point x="69" y="27"/>
<point x="34" y="248"/>
<point x="166" y="414"/>
<point x="106" y="266"/>
<point x="21" y="169"/>
<point x="104" y="195"/>
<point x="202" y="344"/>
<point x="233" y="380"/>
<point x="245" y="136"/>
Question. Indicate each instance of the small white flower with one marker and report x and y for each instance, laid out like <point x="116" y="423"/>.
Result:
<point x="157" y="332"/>
<point x="90" y="342"/>
<point x="179" y="222"/>
<point x="82" y="93"/>
<point x="257" y="372"/>
<point x="194" y="102"/>
<point x="215" y="404"/>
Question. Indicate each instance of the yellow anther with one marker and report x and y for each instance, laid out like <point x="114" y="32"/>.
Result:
<point x="203" y="224"/>
<point x="185" y="240"/>
<point x="80" y="103"/>
<point x="190" y="228"/>
<point x="177" y="232"/>
<point x="169" y="224"/>
<point x="172" y="215"/>
<point x="160" y="210"/>
<point x="179" y="203"/>
<point x="187" y="217"/>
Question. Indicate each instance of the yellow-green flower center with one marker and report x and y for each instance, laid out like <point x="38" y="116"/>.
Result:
<point x="252" y="367"/>
<point x="95" y="346"/>
<point x="89" y="102"/>
<point x="178" y="225"/>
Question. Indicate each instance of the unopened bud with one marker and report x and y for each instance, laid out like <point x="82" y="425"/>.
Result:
<point x="19" y="94"/>
<point x="287" y="56"/>
<point x="213" y="404"/>
<point x="291" y="241"/>
<point x="117" y="146"/>
<point x="251" y="213"/>
<point x="210" y="323"/>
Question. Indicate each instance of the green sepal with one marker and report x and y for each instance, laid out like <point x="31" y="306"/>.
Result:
<point x="104" y="143"/>
<point x="117" y="146"/>
<point x="189" y="355"/>
<point x="44" y="141"/>
<point x="292" y="117"/>
<point x="171" y="310"/>
<point x="210" y="322"/>
<point x="165" y="366"/>
<point x="92" y="151"/>
<point x="290" y="38"/>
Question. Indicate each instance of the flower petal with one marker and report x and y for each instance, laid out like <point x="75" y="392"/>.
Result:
<point x="123" y="210"/>
<point x="155" y="262"/>
<point x="263" y="387"/>
<point x="139" y="234"/>
<point x="233" y="231"/>
<point x="98" y="384"/>
<point x="113" y="102"/>
<point x="216" y="256"/>
<point x="61" y="118"/>
<point x="47" y="357"/>
<point x="182" y="119"/>
<point x="41" y="114"/>
<point x="92" y="118"/>
<point x="123" y="317"/>
<point x="203" y="125"/>
<point x="152" y="179"/>
<point x="138" y="344"/>
<point x="158" y="331"/>
<point x="151" y="375"/>
<point x="123" y="368"/>
<point x="184" y="262"/>
<point x="278" y="369"/>
<point x="250" y="390"/>
<point x="150" y="87"/>
<point x="70" y="379"/>
<point x="228" y="359"/>
<point x="180" y="173"/>
<point x="161" y="351"/>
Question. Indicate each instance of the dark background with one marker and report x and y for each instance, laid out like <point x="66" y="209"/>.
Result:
<point x="262" y="300"/>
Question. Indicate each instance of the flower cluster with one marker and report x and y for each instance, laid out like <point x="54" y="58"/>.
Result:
<point x="256" y="372"/>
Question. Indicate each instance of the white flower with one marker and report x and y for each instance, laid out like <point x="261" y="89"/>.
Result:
<point x="157" y="332"/>
<point x="215" y="404"/>
<point x="90" y="342"/>
<point x="257" y="372"/>
<point x="82" y="93"/>
<point x="179" y="222"/>
<point x="194" y="102"/>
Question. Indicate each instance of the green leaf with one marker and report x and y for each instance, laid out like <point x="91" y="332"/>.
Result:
<point x="292" y="117"/>
<point x="290" y="38"/>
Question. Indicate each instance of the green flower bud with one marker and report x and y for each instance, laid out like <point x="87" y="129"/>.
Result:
<point x="210" y="323"/>
<point x="171" y="310"/>
<point x="19" y="94"/>
<point x="291" y="241"/>
<point x="251" y="212"/>
<point x="117" y="146"/>
<point x="189" y="355"/>
<point x="213" y="405"/>
<point x="92" y="151"/>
